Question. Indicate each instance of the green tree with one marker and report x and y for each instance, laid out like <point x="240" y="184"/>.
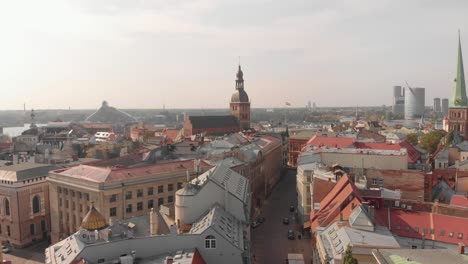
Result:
<point x="412" y="138"/>
<point x="431" y="140"/>
<point x="348" y="257"/>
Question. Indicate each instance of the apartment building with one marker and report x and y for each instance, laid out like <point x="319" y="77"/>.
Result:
<point x="118" y="193"/>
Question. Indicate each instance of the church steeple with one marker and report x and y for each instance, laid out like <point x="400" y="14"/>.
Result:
<point x="459" y="94"/>
<point x="240" y="79"/>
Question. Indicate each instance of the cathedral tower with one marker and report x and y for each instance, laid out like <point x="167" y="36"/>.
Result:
<point x="458" y="113"/>
<point x="240" y="104"/>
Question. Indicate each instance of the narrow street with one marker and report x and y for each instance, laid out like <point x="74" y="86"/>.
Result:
<point x="270" y="239"/>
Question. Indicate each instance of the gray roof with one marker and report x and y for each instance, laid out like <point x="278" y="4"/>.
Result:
<point x="359" y="218"/>
<point x="463" y="146"/>
<point x="337" y="237"/>
<point x="414" y="256"/>
<point x="24" y="171"/>
<point x="221" y="175"/>
<point x="239" y="96"/>
<point x="223" y="223"/>
<point x="110" y="115"/>
<point x="229" y="162"/>
<point x="442" y="155"/>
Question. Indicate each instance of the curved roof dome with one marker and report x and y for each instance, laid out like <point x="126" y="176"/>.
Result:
<point x="239" y="96"/>
<point x="111" y="115"/>
<point x="94" y="220"/>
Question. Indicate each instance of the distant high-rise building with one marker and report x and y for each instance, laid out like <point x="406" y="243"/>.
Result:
<point x="414" y="102"/>
<point x="445" y="106"/>
<point x="398" y="106"/>
<point x="458" y="113"/>
<point x="437" y="108"/>
<point x="309" y="105"/>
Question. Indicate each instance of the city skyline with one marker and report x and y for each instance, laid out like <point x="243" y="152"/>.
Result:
<point x="185" y="55"/>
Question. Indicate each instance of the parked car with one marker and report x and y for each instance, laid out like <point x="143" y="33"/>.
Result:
<point x="286" y="221"/>
<point x="291" y="208"/>
<point x="261" y="219"/>
<point x="254" y="224"/>
<point x="6" y="249"/>
<point x="291" y="235"/>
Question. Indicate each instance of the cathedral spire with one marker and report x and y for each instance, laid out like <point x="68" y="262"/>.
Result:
<point x="459" y="94"/>
<point x="240" y="79"/>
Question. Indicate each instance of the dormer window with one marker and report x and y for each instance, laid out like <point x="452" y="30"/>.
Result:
<point x="210" y="242"/>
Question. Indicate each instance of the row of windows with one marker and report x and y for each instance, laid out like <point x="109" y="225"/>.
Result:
<point x="36" y="205"/>
<point x="139" y="206"/>
<point x="78" y="194"/>
<point x="431" y="231"/>
<point x="149" y="192"/>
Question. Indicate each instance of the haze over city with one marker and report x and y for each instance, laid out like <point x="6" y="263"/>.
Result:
<point x="184" y="54"/>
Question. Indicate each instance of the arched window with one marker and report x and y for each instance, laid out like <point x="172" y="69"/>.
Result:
<point x="36" y="204"/>
<point x="210" y="242"/>
<point x="6" y="204"/>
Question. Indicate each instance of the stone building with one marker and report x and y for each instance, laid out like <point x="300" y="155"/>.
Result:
<point x="238" y="120"/>
<point x="24" y="203"/>
<point x="117" y="192"/>
<point x="216" y="206"/>
<point x="458" y="111"/>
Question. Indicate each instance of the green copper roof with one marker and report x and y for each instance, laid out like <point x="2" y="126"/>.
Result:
<point x="459" y="94"/>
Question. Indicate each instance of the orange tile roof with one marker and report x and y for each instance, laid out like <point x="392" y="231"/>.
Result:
<point x="98" y="174"/>
<point x="171" y="133"/>
<point x="331" y="142"/>
<point x="413" y="224"/>
<point x="459" y="200"/>
<point x="336" y="202"/>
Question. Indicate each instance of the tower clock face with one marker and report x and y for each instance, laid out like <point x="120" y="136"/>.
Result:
<point x="457" y="101"/>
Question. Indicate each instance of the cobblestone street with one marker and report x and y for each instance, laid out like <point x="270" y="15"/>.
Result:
<point x="270" y="239"/>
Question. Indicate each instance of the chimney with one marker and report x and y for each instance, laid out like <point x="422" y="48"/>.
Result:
<point x="341" y="216"/>
<point x="365" y="205"/>
<point x="173" y="230"/>
<point x="461" y="248"/>
<point x="154" y="223"/>
<point x="371" y="212"/>
<point x="226" y="198"/>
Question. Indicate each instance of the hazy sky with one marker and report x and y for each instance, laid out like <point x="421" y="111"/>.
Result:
<point x="144" y="53"/>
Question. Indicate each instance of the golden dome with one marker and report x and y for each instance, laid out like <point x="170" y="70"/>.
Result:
<point x="94" y="220"/>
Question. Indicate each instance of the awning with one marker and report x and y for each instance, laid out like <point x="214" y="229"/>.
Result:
<point x="131" y="225"/>
<point x="306" y="225"/>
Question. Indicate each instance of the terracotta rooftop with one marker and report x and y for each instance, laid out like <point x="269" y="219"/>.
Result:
<point x="98" y="174"/>
<point x="459" y="200"/>
<point x="331" y="142"/>
<point x="413" y="224"/>
<point x="341" y="200"/>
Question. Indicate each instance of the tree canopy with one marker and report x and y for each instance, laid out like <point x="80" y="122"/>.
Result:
<point x="431" y="140"/>
<point x="348" y="257"/>
<point x="412" y="138"/>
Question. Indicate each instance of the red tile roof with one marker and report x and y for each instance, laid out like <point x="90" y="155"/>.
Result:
<point x="321" y="189"/>
<point x="413" y="224"/>
<point x="459" y="200"/>
<point x="171" y="133"/>
<point x="337" y="202"/>
<point x="413" y="154"/>
<point x="98" y="174"/>
<point x="331" y="142"/>
<point x="197" y="258"/>
<point x="6" y="145"/>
